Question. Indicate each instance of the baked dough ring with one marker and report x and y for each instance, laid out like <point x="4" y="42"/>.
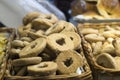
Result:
<point x="26" y="61"/>
<point x="60" y="26"/>
<point x="17" y="43"/>
<point x="28" y="39"/>
<point x="51" y="18"/>
<point x="75" y="38"/>
<point x="59" y="42"/>
<point x="56" y="28"/>
<point x="106" y="60"/>
<point x="35" y="35"/>
<point x="43" y="69"/>
<point x="40" y="23"/>
<point x="34" y="48"/>
<point x="22" y="30"/>
<point x="69" y="61"/>
<point x="31" y="16"/>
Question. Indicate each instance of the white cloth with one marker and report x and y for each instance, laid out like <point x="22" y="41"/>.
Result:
<point x="12" y="13"/>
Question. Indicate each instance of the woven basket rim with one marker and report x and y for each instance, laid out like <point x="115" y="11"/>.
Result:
<point x="11" y="31"/>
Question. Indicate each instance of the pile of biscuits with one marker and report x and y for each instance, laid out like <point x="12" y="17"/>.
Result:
<point x="45" y="46"/>
<point x="105" y="44"/>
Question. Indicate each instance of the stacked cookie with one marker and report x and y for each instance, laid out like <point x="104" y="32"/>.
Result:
<point x="104" y="41"/>
<point x="45" y="46"/>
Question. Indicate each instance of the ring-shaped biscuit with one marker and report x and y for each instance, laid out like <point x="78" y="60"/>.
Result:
<point x="51" y="18"/>
<point x="69" y="61"/>
<point x="75" y="38"/>
<point x="43" y="69"/>
<point x="22" y="30"/>
<point x="17" y="43"/>
<point x="31" y="16"/>
<point x="42" y="24"/>
<point x="26" y="61"/>
<point x="34" y="48"/>
<point x="60" y="26"/>
<point x="59" y="42"/>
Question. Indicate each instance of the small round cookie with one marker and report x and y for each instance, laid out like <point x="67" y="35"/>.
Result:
<point x="69" y="61"/>
<point x="106" y="60"/>
<point x="40" y="23"/>
<point x="108" y="48"/>
<point x="75" y="38"/>
<point x="17" y="43"/>
<point x="94" y="37"/>
<point x="59" y="42"/>
<point x="31" y="16"/>
<point x="89" y="31"/>
<point x="26" y="61"/>
<point x="34" y="48"/>
<point x="109" y="34"/>
<point x="43" y="69"/>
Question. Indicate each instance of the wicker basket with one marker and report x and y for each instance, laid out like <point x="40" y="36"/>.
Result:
<point x="10" y="32"/>
<point x="86" y="75"/>
<point x="99" y="72"/>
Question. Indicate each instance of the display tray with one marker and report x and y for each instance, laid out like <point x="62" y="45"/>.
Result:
<point x="9" y="33"/>
<point x="99" y="72"/>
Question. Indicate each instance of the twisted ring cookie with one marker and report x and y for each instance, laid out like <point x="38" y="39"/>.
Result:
<point x="50" y="17"/>
<point x="34" y="48"/>
<point x="22" y="30"/>
<point x="31" y="16"/>
<point x="60" y="26"/>
<point x="106" y="60"/>
<point x="17" y="43"/>
<point x="28" y="39"/>
<point x="42" y="24"/>
<point x="69" y="61"/>
<point x="26" y="61"/>
<point x="75" y="38"/>
<point x="35" y="35"/>
<point x="59" y="42"/>
<point x="43" y="69"/>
